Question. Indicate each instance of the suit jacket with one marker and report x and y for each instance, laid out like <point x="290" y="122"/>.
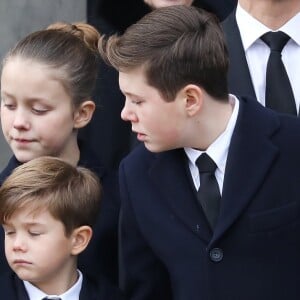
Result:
<point x="167" y="248"/>
<point x="12" y="288"/>
<point x="239" y="78"/>
<point x="101" y="255"/>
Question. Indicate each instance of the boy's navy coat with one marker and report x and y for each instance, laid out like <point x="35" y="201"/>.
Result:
<point x="12" y="288"/>
<point x="100" y="257"/>
<point x="254" y="251"/>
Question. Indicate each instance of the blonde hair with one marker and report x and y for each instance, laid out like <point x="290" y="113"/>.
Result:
<point x="71" y="194"/>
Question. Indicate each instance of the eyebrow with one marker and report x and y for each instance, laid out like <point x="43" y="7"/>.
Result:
<point x="132" y="95"/>
<point x="29" y="100"/>
<point x="6" y="94"/>
<point x="25" y="223"/>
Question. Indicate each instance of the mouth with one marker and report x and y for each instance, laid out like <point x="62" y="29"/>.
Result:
<point x="22" y="141"/>
<point x="141" y="137"/>
<point x="21" y="262"/>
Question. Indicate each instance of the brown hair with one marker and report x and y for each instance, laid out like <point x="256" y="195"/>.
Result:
<point x="176" y="45"/>
<point x="71" y="194"/>
<point x="69" y="48"/>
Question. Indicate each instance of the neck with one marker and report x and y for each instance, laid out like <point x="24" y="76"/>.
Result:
<point x="272" y="13"/>
<point x="71" y="153"/>
<point x="213" y="123"/>
<point x="61" y="283"/>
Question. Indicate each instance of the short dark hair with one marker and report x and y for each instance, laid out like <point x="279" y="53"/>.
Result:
<point x="176" y="45"/>
<point x="71" y="194"/>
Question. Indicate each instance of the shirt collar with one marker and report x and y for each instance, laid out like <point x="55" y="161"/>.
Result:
<point x="71" y="294"/>
<point x="251" y="29"/>
<point x="292" y="28"/>
<point x="218" y="150"/>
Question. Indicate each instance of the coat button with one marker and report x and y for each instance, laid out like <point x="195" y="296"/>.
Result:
<point x="216" y="254"/>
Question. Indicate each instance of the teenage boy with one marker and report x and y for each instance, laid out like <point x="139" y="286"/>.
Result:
<point x="47" y="209"/>
<point x="232" y="229"/>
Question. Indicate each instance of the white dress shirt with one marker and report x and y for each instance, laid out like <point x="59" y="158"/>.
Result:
<point x="217" y="151"/>
<point x="71" y="294"/>
<point x="257" y="52"/>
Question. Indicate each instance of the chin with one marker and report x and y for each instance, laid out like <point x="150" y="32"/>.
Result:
<point x="156" y="148"/>
<point x="25" y="157"/>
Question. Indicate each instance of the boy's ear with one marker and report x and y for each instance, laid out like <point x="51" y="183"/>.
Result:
<point x="193" y="99"/>
<point x="81" y="237"/>
<point x="84" y="113"/>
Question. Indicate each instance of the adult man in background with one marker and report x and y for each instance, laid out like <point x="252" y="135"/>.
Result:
<point x="249" y="53"/>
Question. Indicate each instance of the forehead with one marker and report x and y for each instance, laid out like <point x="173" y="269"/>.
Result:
<point x="31" y="78"/>
<point x="23" y="73"/>
<point x="28" y="212"/>
<point x="16" y="64"/>
<point x="134" y="82"/>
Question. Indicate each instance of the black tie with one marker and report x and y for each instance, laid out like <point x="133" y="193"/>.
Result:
<point x="279" y="93"/>
<point x="51" y="298"/>
<point x="208" y="193"/>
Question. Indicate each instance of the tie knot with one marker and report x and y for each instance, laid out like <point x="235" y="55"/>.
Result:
<point x="275" y="40"/>
<point x="51" y="298"/>
<point x="205" y="164"/>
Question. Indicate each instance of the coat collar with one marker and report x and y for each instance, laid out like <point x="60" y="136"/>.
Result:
<point x="251" y="154"/>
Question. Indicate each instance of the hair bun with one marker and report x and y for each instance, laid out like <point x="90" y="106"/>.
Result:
<point x="86" y="32"/>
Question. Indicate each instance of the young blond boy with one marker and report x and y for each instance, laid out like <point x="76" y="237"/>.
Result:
<point x="47" y="209"/>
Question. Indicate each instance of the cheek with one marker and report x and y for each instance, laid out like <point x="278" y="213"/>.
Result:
<point x="6" y="119"/>
<point x="8" y="245"/>
<point x="55" y="125"/>
<point x="7" y="126"/>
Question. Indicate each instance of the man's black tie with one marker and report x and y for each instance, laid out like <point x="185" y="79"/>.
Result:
<point x="51" y="298"/>
<point x="208" y="193"/>
<point x="279" y="93"/>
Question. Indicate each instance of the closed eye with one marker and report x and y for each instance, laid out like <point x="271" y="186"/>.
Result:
<point x="34" y="233"/>
<point x="10" y="106"/>
<point x="8" y="232"/>
<point x="39" y="111"/>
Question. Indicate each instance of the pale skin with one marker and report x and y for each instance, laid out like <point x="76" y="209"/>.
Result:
<point x="38" y="250"/>
<point x="38" y="116"/>
<point x="163" y="3"/>
<point x="272" y="13"/>
<point x="194" y="119"/>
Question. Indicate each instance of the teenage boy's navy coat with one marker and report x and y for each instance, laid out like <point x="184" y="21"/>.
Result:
<point x="12" y="288"/>
<point x="101" y="255"/>
<point x="254" y="251"/>
<point x="239" y="78"/>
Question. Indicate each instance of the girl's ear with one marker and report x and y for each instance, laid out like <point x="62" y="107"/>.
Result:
<point x="81" y="237"/>
<point x="84" y="113"/>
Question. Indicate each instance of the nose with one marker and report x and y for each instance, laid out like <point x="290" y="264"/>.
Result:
<point x="128" y="113"/>
<point x="21" y="120"/>
<point x="19" y="243"/>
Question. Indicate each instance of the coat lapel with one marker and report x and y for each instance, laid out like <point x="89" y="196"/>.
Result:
<point x="239" y="79"/>
<point x="19" y="288"/>
<point x="171" y="177"/>
<point x="250" y="157"/>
